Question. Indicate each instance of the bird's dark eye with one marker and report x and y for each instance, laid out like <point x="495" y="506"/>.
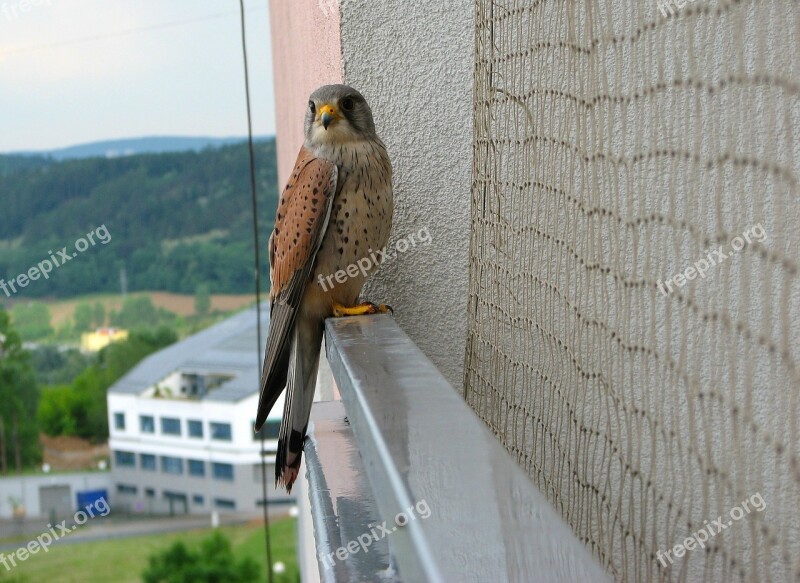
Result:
<point x="348" y="104"/>
<point x="312" y="107"/>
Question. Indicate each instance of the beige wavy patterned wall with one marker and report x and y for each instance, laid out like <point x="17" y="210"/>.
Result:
<point x="619" y="144"/>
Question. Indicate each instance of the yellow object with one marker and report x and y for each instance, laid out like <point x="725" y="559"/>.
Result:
<point x="340" y="311"/>
<point x="102" y="337"/>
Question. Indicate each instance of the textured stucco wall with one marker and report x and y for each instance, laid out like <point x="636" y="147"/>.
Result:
<point x="307" y="53"/>
<point x="638" y="148"/>
<point x="413" y="61"/>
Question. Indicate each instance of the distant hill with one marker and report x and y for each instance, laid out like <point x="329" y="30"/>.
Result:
<point x="14" y="163"/>
<point x="176" y="220"/>
<point x="133" y="146"/>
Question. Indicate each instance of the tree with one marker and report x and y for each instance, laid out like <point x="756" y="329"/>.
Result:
<point x="99" y="315"/>
<point x="58" y="411"/>
<point x="19" y="396"/>
<point x="202" y="300"/>
<point x="190" y="228"/>
<point x="84" y="317"/>
<point x="80" y="408"/>
<point x="135" y="311"/>
<point x="214" y="562"/>
<point x="139" y="312"/>
<point x="32" y="320"/>
<point x="55" y="366"/>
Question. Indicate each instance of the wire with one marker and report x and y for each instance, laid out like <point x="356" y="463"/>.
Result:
<point x="257" y="258"/>
<point x="118" y="34"/>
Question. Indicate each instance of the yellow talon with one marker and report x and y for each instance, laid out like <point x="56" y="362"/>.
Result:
<point x="340" y="311"/>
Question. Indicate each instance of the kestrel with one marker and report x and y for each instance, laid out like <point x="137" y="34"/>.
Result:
<point x="335" y="210"/>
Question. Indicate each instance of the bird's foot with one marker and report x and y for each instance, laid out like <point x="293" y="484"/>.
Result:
<point x="362" y="309"/>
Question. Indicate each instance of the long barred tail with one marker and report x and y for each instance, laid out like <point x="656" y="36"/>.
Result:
<point x="302" y="381"/>
<point x="276" y="359"/>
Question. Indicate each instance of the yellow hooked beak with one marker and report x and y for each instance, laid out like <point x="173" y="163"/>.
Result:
<point x="328" y="115"/>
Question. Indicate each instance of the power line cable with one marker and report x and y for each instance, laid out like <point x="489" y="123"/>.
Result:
<point x="257" y="259"/>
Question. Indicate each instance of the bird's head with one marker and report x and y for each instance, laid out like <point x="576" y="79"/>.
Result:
<point x="338" y="113"/>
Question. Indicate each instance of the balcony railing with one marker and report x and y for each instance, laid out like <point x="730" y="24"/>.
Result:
<point x="412" y="486"/>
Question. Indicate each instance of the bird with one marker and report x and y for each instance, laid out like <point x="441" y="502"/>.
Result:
<point x="335" y="211"/>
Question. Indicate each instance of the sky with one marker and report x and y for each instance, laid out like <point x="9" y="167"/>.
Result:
<point x="79" y="71"/>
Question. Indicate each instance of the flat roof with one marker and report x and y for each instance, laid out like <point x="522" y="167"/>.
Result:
<point x="227" y="348"/>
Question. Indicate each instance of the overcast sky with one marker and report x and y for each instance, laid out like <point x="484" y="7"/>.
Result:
<point x="77" y="71"/>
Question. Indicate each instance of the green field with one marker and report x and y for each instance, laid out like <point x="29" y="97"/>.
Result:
<point x="123" y="560"/>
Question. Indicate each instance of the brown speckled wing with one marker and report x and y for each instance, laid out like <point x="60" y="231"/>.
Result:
<point x="300" y="222"/>
<point x="302" y="219"/>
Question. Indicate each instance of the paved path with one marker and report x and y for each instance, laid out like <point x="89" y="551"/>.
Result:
<point x="123" y="527"/>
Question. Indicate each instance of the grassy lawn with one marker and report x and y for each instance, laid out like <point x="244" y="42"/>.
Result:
<point x="123" y="560"/>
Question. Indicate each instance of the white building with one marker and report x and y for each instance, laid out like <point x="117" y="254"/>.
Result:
<point x="181" y="425"/>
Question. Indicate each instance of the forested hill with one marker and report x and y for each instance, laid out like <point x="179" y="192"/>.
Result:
<point x="176" y="220"/>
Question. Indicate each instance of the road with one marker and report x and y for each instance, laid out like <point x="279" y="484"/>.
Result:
<point x="15" y="535"/>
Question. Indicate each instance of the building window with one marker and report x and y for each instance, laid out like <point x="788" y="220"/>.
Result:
<point x="225" y="503"/>
<point x="119" y="421"/>
<point x="269" y="430"/>
<point x="222" y="471"/>
<point x="147" y="462"/>
<point x="125" y="459"/>
<point x="197" y="468"/>
<point x="170" y="426"/>
<point x="126" y="489"/>
<point x="147" y="424"/>
<point x="198" y="500"/>
<point x="195" y="428"/>
<point x="220" y="431"/>
<point x="178" y="502"/>
<point x="150" y="492"/>
<point x="171" y="465"/>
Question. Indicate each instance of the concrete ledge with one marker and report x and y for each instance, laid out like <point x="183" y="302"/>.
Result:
<point x="421" y="445"/>
<point x="342" y="505"/>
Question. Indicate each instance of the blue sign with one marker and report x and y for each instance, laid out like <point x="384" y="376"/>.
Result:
<point x="88" y="498"/>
